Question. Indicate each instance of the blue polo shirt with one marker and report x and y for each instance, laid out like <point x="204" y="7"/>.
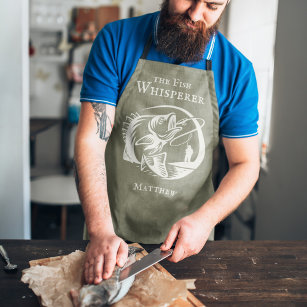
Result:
<point x="119" y="45"/>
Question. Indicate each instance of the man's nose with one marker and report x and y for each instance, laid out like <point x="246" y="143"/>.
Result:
<point x="196" y="11"/>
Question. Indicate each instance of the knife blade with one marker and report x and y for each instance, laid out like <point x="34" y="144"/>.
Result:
<point x="147" y="261"/>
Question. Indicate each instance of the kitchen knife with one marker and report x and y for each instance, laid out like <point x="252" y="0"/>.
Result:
<point x="144" y="263"/>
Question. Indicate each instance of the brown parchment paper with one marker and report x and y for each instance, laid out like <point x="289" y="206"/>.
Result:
<point x="153" y="288"/>
<point x="53" y="281"/>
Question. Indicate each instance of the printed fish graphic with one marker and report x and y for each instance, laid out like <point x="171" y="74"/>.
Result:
<point x="130" y="126"/>
<point x="156" y="164"/>
<point x="108" y="291"/>
<point x="162" y="129"/>
<point x="152" y="139"/>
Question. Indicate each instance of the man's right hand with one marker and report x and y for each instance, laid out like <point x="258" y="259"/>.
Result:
<point x="103" y="253"/>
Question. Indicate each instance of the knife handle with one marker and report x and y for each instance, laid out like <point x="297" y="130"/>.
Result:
<point x="4" y="253"/>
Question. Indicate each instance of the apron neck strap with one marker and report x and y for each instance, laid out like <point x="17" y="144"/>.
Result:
<point x="208" y="60"/>
<point x="147" y="47"/>
<point x="208" y="65"/>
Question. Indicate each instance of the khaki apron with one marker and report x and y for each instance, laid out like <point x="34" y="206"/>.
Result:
<point x="159" y="155"/>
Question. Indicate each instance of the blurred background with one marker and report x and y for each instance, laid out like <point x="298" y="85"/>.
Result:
<point x="44" y="47"/>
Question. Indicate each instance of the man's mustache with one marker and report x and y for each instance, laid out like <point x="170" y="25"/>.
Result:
<point x="182" y="21"/>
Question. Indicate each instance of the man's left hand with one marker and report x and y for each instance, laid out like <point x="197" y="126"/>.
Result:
<point x="191" y="233"/>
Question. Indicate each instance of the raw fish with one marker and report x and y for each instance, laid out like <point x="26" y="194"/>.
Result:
<point x="108" y="291"/>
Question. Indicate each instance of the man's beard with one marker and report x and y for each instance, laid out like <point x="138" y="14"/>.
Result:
<point x="179" y="41"/>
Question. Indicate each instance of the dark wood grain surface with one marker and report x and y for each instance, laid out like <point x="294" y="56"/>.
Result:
<point x="227" y="273"/>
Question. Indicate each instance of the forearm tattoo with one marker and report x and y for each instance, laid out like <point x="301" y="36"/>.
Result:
<point x="103" y="121"/>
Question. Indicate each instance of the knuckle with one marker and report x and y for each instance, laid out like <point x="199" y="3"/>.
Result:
<point x="109" y="258"/>
<point x="91" y="261"/>
<point x="98" y="260"/>
<point x="107" y="248"/>
<point x="109" y="262"/>
<point x="186" y="224"/>
<point x="98" y="270"/>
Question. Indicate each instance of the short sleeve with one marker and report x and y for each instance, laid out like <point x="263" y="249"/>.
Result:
<point x="100" y="77"/>
<point x="240" y="117"/>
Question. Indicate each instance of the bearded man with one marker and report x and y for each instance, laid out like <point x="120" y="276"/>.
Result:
<point x="154" y="86"/>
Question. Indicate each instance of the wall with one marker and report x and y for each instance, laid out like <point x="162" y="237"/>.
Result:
<point x="14" y="120"/>
<point x="251" y="27"/>
<point x="282" y="197"/>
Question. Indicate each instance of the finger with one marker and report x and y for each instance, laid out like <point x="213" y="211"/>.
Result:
<point x="178" y="253"/>
<point x="91" y="271"/>
<point x="86" y="266"/>
<point x="170" y="239"/>
<point x="122" y="254"/>
<point x="86" y="270"/>
<point x="98" y="269"/>
<point x="109" y="264"/>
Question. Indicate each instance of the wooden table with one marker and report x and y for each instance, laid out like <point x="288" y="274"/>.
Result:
<point x="227" y="273"/>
